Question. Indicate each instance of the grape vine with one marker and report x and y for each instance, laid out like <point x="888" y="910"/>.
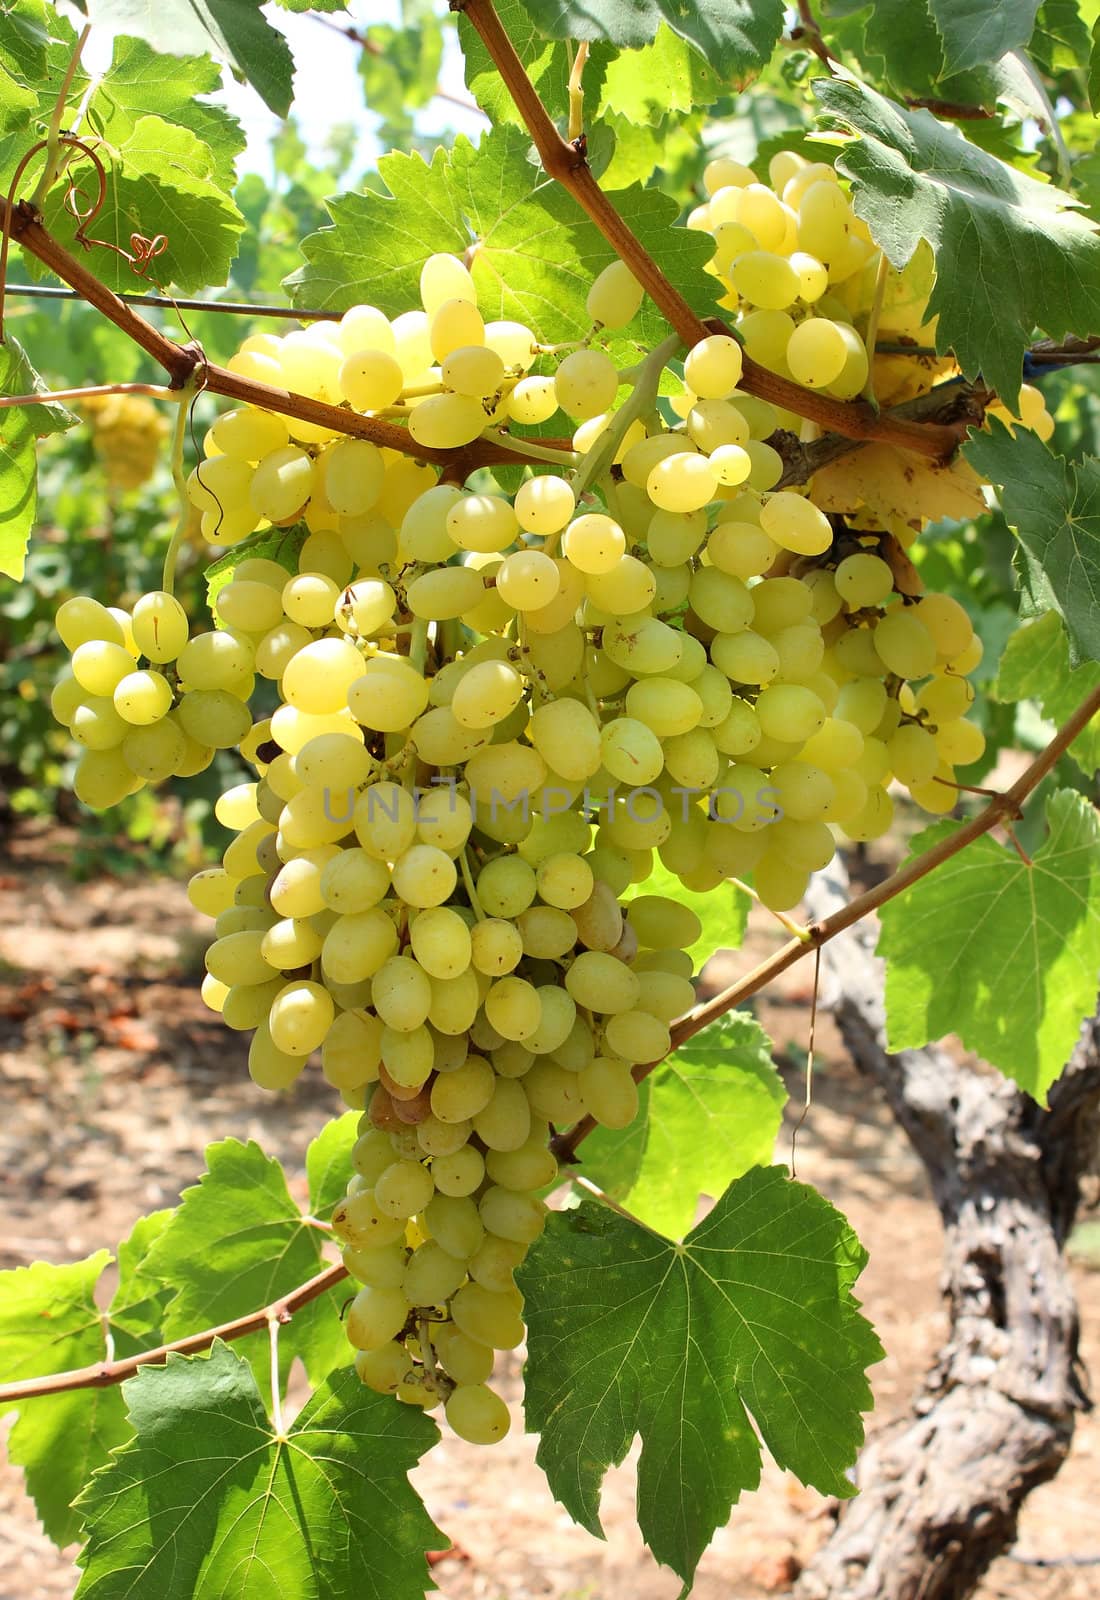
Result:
<point x="525" y="639"/>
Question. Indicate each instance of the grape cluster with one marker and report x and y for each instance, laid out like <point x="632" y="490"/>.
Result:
<point x="494" y="711"/>
<point x="128" y="433"/>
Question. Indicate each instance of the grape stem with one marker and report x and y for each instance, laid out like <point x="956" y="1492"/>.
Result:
<point x="155" y="391"/>
<point x="179" y="478"/>
<point x="104" y="1374"/>
<point x="1002" y="808"/>
<point x="637" y="404"/>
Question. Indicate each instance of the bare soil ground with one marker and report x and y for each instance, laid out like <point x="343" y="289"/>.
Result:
<point x="116" y="1078"/>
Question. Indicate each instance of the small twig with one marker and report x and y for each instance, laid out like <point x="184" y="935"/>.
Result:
<point x="636" y="404"/>
<point x="1003" y="806"/>
<point x="810" y="1048"/>
<point x="179" y="478"/>
<point x="576" y="92"/>
<point x="276" y="1387"/>
<point x="597" y="1193"/>
<point x="156" y="391"/>
<point x="53" y="167"/>
<point x="104" y="1374"/>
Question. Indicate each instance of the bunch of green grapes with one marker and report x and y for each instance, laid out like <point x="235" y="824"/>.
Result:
<point x="494" y="713"/>
<point x="128" y="432"/>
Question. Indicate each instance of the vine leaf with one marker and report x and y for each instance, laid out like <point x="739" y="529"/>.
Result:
<point x="736" y="37"/>
<point x="328" y="1162"/>
<point x="233" y="31"/>
<point x="20" y="426"/>
<point x="986" y="925"/>
<point x="1035" y="666"/>
<point x="206" y="1500"/>
<point x="238" y="1242"/>
<point x="914" y="178"/>
<point x="534" y="253"/>
<point x="751" y="1317"/>
<point x="1054" y="506"/>
<point x="715" y="1110"/>
<point x="979" y="31"/>
<point x="49" y="1322"/>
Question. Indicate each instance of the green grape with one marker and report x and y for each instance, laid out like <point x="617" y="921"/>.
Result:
<point x="432" y="1276"/>
<point x="816" y="352"/>
<point x="528" y="580"/>
<point x="383" y="1266"/>
<point x="741" y="549"/>
<point x="609" y="1091"/>
<point x="443" y="818"/>
<point x="767" y="280"/>
<point x="525" y="1166"/>
<point x="958" y="743"/>
<point x="446" y="421"/>
<point x="300" y="1017"/>
<point x="630" y="586"/>
<point x="402" y="1189"/>
<point x="375" y="1316"/>
<point x="779" y="882"/>
<point x="913" y="753"/>
<point x="440" y="941"/>
<point x="460" y="1095"/>
<point x="745" y="657"/>
<point x="510" y="1214"/>
<point x="643" y="646"/>
<point x="795" y="523"/>
<point x="494" y="1264"/>
<point x="251" y="607"/>
<point x="564" y="880"/>
<point x="904" y="644"/>
<point x="504" y="1122"/>
<point x="460" y="1173"/>
<point x="453" y="1221"/>
<point x="712" y="368"/>
<point x="100" y="666"/>
<point x="154" y="752"/>
<point x="533" y="400"/>
<point x="553" y="1092"/>
<point x="682" y="482"/>
<point x="385" y="821"/>
<point x="454" y="1002"/>
<point x="465" y="1359"/>
<point x="601" y="983"/>
<point x="567" y="736"/>
<point x="384" y="1369"/>
<point x="477" y="1414"/>
<point x="268" y="1066"/>
<point x="506" y="886"/>
<point x="635" y="1036"/>
<point x="160" y="626"/>
<point x="487" y="694"/>
<point x="482" y="522"/>
<point x="352" y="1050"/>
<point x="513" y="1008"/>
<point x="863" y="579"/>
<point x="83" y="620"/>
<point x="836" y="745"/>
<point x="586" y="383"/>
<point x="389" y="696"/>
<point x="496" y="946"/>
<point x="401" y="994"/>
<point x="96" y="724"/>
<point x="721" y="601"/>
<point x="593" y="543"/>
<point x="473" y="370"/>
<point x="453" y="323"/>
<point x="289" y="944"/>
<point x="789" y="711"/>
<point x="804" y="790"/>
<point x="948" y="623"/>
<point x="615" y="297"/>
<point x="659" y="921"/>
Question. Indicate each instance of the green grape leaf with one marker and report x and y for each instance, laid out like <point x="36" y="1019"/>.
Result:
<point x="714" y="1112"/>
<point x="1035" y="666"/>
<point x="1094" y="67"/>
<point x="161" y="180"/>
<point x="751" y="1317"/>
<point x="233" y="31"/>
<point x="312" y="5"/>
<point x="137" y="1309"/>
<point x="664" y="77"/>
<point x="208" y="1500"/>
<point x="142" y="83"/>
<point x="546" y="62"/>
<point x="914" y="178"/>
<point x="235" y="1244"/>
<point x="328" y="1162"/>
<point x="978" y="31"/>
<point x="534" y="253"/>
<point x="19" y="429"/>
<point x="736" y="37"/>
<point x="49" y="1322"/>
<point x="1002" y="953"/>
<point x="1054" y="506"/>
<point x="723" y="912"/>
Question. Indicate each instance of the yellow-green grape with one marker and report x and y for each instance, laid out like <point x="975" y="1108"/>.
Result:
<point x="601" y="983"/>
<point x="440" y="941"/>
<point x="856" y="366"/>
<point x="401" y="994"/>
<point x="666" y="707"/>
<point x="214" y="718"/>
<point x="594" y="543"/>
<point x="103" y="778"/>
<point x="767" y="280"/>
<point x="402" y="1189"/>
<point x="384" y="1369"/>
<point x="389" y="696"/>
<point x="96" y="724"/>
<point x="803" y="791"/>
<point x="533" y="400"/>
<point x="318" y="677"/>
<point x="477" y="1414"/>
<point x="100" y="666"/>
<point x="358" y="1222"/>
<point x="682" y="482"/>
<point x="454" y="323"/>
<point x="609" y="1091"/>
<point x="863" y="579"/>
<point x="444" y="818"/>
<point x="352" y="473"/>
<point x="290" y="944"/>
<point x="375" y="1316"/>
<point x="513" y="1008"/>
<point x="939" y="794"/>
<point x="482" y="522"/>
<point x="635" y="1036"/>
<point x="513" y="342"/>
<point x="795" y="523"/>
<point x="154" y="752"/>
<point x="268" y="1066"/>
<point x="615" y="297"/>
<point x="904" y="644"/>
<point x="461" y="1094"/>
<point x="143" y="698"/>
<point x="742" y="549"/>
<point x="816" y="353"/>
<point x="643" y="646"/>
<point x="473" y="370"/>
<point x="836" y="745"/>
<point x="586" y="383"/>
<point x="958" y="742"/>
<point x="504" y="1122"/>
<point x="712" y="368"/>
<point x="444" y="277"/>
<point x="83" y="620"/>
<point x="631" y="751"/>
<point x="745" y="657"/>
<point x="824" y="220"/>
<point x="352" y="1051"/>
<point x="944" y="699"/>
<point x="789" y="711"/>
<point x="512" y="1214"/>
<point x="487" y="694"/>
<point x="564" y="880"/>
<point x="300" y="1017"/>
<point x="385" y="820"/>
<point x="407" y="1055"/>
<point x="914" y="756"/>
<point x="460" y="1173"/>
<point x="721" y="601"/>
<point x="432" y="1276"/>
<point x="948" y="623"/>
<point x="371" y="379"/>
<point x="454" y="1223"/>
<point x="160" y="626"/>
<point x="249" y="433"/>
<point x="282" y="483"/>
<point x="424" y="876"/>
<point x="496" y="946"/>
<point x="447" y="421"/>
<point x="221" y="660"/>
<point x="528" y="580"/>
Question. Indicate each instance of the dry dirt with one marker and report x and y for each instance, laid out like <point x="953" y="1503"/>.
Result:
<point x="116" y="1078"/>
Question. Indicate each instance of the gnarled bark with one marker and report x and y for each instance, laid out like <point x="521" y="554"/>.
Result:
<point x="941" y="1489"/>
